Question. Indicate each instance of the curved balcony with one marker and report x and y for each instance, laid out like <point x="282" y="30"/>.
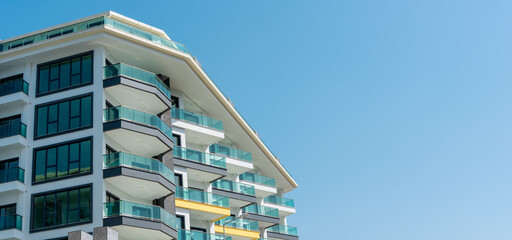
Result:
<point x="202" y="205"/>
<point x="239" y="194"/>
<point x="131" y="130"/>
<point x="285" y="206"/>
<point x="200" y="129"/>
<point x="138" y="176"/>
<point x="242" y="229"/>
<point x="13" y="135"/>
<point x="282" y="232"/>
<point x="203" y="167"/>
<point x="136" y="221"/>
<point x="136" y="88"/>
<point x="266" y="216"/>
<point x="264" y="186"/>
<point x="238" y="161"/>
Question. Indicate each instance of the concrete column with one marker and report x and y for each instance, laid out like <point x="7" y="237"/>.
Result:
<point x="105" y="233"/>
<point x="79" y="235"/>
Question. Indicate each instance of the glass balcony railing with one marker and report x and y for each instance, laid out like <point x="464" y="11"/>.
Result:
<point x="196" y="118"/>
<point x="234" y="187"/>
<point x="196" y="235"/>
<point x="288" y="230"/>
<point x="238" y="223"/>
<point x="138" y="210"/>
<point x="146" y="35"/>
<point x="12" y="174"/>
<point x="231" y="152"/>
<point x="139" y="162"/>
<point x="197" y="156"/>
<point x="122" y="69"/>
<point x="10" y="222"/>
<point x="14" y="86"/>
<point x="12" y="129"/>
<point x="280" y="201"/>
<point x="120" y="112"/>
<point x="261" y="210"/>
<point x="201" y="197"/>
<point x="251" y="177"/>
<point x="51" y="34"/>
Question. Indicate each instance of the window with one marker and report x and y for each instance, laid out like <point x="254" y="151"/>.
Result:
<point x="64" y="116"/>
<point x="64" y="73"/>
<point x="9" y="170"/>
<point x="178" y="179"/>
<point x="180" y="222"/>
<point x="177" y="139"/>
<point x="7" y="216"/>
<point x="111" y="197"/>
<point x="175" y="102"/>
<point x="61" y="208"/>
<point x="62" y="160"/>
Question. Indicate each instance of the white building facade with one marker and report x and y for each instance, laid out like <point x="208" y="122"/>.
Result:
<point x="105" y="121"/>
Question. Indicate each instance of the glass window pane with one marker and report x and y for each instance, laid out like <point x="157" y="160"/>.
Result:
<point x="51" y="163"/>
<point x="75" y="108"/>
<point x="73" y="199"/>
<point x="42" y="115"/>
<point x="85" y="204"/>
<point x="86" y="69"/>
<point x="38" y="209"/>
<point x="75" y="66"/>
<point x="40" y="165"/>
<point x="65" y="73"/>
<point x="44" y="77"/>
<point x="86" y="114"/>
<point x="74" y="150"/>
<point x="52" y="114"/>
<point x="62" y="162"/>
<point x="75" y="80"/>
<point x="73" y="167"/>
<point x="49" y="211"/>
<point x="62" y="208"/>
<point x="85" y="156"/>
<point x="63" y="116"/>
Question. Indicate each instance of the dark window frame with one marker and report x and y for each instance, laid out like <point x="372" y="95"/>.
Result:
<point x="36" y="108"/>
<point x="38" y="94"/>
<point x="178" y="139"/>
<point x="80" y="174"/>
<point x="175" y="101"/>
<point x="32" y="230"/>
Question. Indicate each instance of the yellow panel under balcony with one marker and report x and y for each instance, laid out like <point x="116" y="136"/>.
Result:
<point x="202" y="207"/>
<point x="238" y="232"/>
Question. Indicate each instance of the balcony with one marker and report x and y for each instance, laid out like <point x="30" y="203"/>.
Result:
<point x="10" y="227"/>
<point x="196" y="235"/>
<point x="14" y="93"/>
<point x="203" y="167"/>
<point x="12" y="179"/>
<point x="238" y="229"/>
<point x="200" y="129"/>
<point x="266" y="216"/>
<point x="13" y="135"/>
<point x="138" y="132"/>
<point x="202" y="205"/>
<point x="136" y="88"/>
<point x="239" y="194"/>
<point x="138" y="176"/>
<point x="282" y="232"/>
<point x="285" y="206"/>
<point x="238" y="161"/>
<point x="136" y="221"/>
<point x="263" y="185"/>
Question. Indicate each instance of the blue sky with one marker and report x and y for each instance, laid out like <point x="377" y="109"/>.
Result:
<point x="393" y="116"/>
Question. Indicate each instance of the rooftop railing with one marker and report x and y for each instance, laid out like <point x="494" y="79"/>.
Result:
<point x="120" y="112"/>
<point x="234" y="187"/>
<point x="139" y="162"/>
<point x="197" y="156"/>
<point x="201" y="197"/>
<point x="139" y="210"/>
<point x="261" y="210"/>
<point x="196" y="118"/>
<point x="122" y="69"/>
<point x="240" y="223"/>
<point x="251" y="177"/>
<point x="280" y="201"/>
<point x="231" y="152"/>
<point x="288" y="230"/>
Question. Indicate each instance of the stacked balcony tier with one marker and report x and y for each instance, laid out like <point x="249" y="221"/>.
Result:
<point x="264" y="186"/>
<point x="200" y="129"/>
<point x="202" y="167"/>
<point x="202" y="205"/>
<point x="238" y="161"/>
<point x="239" y="194"/>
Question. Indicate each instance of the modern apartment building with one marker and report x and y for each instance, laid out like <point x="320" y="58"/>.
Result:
<point x="106" y="121"/>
